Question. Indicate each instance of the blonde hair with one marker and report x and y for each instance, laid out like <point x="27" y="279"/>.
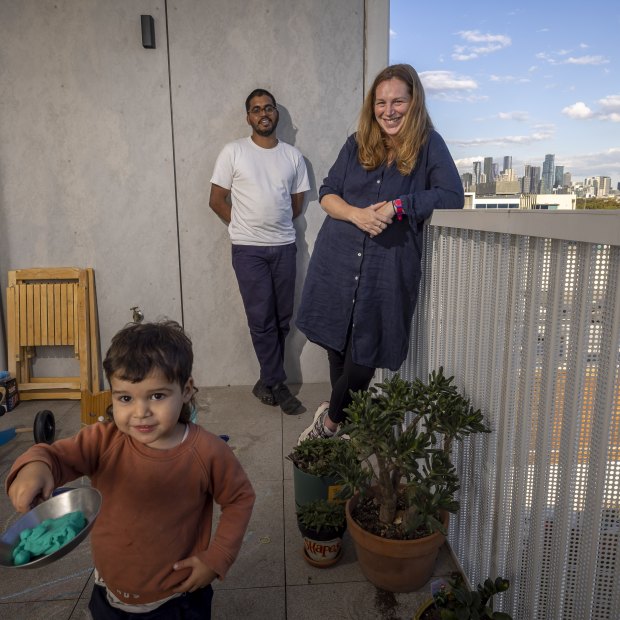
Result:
<point x="374" y="146"/>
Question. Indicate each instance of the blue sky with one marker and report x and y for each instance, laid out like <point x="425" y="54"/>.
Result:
<point x="525" y="79"/>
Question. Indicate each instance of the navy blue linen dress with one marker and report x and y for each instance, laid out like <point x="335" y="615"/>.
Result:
<point x="371" y="284"/>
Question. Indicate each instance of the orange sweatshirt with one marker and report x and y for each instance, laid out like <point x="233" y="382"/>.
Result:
<point x="157" y="505"/>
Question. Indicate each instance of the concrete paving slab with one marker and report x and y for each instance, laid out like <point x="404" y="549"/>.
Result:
<point x="250" y="604"/>
<point x="260" y="563"/>
<point x="358" y="601"/>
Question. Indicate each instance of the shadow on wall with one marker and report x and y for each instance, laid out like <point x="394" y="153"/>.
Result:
<point x="295" y="342"/>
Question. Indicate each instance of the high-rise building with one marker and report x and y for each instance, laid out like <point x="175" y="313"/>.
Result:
<point x="548" y="174"/>
<point x="568" y="179"/>
<point x="604" y="186"/>
<point x="559" y="176"/>
<point x="488" y="168"/>
<point x="507" y="163"/>
<point x="467" y="178"/>
<point x="477" y="171"/>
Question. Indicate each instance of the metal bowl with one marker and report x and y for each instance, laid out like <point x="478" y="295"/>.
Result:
<point x="86" y="499"/>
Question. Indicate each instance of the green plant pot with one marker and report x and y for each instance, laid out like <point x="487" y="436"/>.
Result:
<point x="309" y="488"/>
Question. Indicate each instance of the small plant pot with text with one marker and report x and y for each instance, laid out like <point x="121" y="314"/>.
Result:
<point x="401" y="480"/>
<point x="322" y="525"/>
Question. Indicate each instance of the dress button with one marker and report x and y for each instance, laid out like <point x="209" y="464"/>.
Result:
<point x="357" y="277"/>
<point x="359" y="253"/>
<point x="378" y="180"/>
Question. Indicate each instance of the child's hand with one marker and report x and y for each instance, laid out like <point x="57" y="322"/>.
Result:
<point x="200" y="576"/>
<point x="33" y="484"/>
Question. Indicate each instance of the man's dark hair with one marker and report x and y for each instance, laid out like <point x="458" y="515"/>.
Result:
<point x="258" y="92"/>
<point x="140" y="348"/>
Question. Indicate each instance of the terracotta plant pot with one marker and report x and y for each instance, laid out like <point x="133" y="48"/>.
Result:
<point x="321" y="549"/>
<point x="394" y="565"/>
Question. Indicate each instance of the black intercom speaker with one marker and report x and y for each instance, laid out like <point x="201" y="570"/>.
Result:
<point x="148" y="31"/>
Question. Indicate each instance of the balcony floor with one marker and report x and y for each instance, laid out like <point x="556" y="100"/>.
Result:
<point x="270" y="579"/>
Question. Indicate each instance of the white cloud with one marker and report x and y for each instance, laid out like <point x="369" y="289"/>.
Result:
<point x="513" y="116"/>
<point x="611" y="102"/>
<point x="593" y="164"/>
<point x="447" y="86"/>
<point x="555" y="58"/>
<point x="584" y="46"/>
<point x="586" y="60"/>
<point x="610" y="110"/>
<point x="577" y="110"/>
<point x="505" y="140"/>
<point x="508" y="78"/>
<point x="478" y="44"/>
<point x="435" y="81"/>
<point x="393" y="34"/>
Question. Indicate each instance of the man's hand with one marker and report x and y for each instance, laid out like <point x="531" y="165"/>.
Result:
<point x="33" y="484"/>
<point x="201" y="575"/>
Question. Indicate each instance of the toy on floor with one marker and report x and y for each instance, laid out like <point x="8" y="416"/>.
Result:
<point x="48" y="536"/>
<point x="44" y="429"/>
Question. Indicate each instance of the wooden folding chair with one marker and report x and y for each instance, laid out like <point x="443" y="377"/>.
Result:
<point x="52" y="307"/>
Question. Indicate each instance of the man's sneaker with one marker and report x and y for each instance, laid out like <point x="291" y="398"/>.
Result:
<point x="283" y="397"/>
<point x="317" y="429"/>
<point x="263" y="393"/>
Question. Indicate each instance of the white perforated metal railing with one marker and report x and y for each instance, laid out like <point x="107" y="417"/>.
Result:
<point x="525" y="312"/>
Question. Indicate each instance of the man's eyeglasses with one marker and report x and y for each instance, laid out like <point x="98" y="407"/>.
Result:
<point x="268" y="109"/>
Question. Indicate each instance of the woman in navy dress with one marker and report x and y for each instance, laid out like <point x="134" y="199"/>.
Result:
<point x="362" y="282"/>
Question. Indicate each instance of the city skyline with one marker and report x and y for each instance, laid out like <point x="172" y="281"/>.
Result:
<point x="523" y="81"/>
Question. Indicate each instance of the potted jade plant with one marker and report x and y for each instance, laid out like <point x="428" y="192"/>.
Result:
<point x="400" y="479"/>
<point x="314" y="476"/>
<point x="458" y="602"/>
<point x="322" y="524"/>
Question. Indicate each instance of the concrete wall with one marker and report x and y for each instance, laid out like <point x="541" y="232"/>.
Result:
<point x="106" y="148"/>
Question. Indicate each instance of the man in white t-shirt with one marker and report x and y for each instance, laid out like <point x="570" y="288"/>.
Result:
<point x="257" y="188"/>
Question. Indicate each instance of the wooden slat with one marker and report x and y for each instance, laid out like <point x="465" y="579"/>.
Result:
<point x="48" y="273"/>
<point x="57" y="315"/>
<point x="93" y="324"/>
<point x="30" y="315"/>
<point x="71" y="318"/>
<point x="44" y="314"/>
<point x="50" y="314"/>
<point x="51" y="385"/>
<point x="50" y="395"/>
<point x="63" y="313"/>
<point x="12" y="330"/>
<point x="37" y="313"/>
<point x="22" y="312"/>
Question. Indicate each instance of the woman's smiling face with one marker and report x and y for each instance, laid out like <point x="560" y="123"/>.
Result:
<point x="392" y="100"/>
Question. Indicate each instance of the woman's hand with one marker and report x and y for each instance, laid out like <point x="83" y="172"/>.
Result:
<point x="373" y="219"/>
<point x="200" y="576"/>
<point x="33" y="484"/>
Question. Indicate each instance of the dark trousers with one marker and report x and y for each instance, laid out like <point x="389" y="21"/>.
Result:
<point x="190" y="606"/>
<point x="345" y="375"/>
<point x="266" y="277"/>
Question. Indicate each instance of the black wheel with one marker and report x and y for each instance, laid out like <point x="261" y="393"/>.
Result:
<point x="44" y="427"/>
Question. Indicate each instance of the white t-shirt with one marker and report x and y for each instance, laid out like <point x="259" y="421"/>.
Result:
<point x="261" y="182"/>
